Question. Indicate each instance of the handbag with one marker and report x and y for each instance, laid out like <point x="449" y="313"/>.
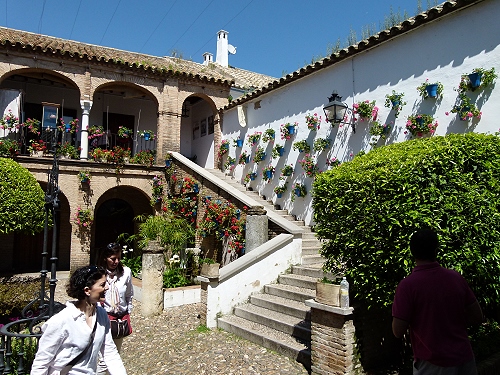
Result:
<point x="120" y="327"/>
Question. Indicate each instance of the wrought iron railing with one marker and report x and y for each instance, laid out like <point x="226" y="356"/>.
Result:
<point x="19" y="339"/>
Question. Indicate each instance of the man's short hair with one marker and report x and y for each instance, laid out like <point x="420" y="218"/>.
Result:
<point x="424" y="244"/>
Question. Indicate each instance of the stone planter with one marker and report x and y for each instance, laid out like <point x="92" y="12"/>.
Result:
<point x="210" y="270"/>
<point x="328" y="294"/>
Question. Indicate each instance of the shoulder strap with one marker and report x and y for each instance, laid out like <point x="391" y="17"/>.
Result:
<point x="91" y="340"/>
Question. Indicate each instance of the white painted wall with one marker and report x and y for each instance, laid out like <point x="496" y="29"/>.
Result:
<point x="201" y="146"/>
<point x="441" y="51"/>
<point x="10" y="100"/>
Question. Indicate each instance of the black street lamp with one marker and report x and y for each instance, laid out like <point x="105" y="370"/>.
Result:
<point x="335" y="110"/>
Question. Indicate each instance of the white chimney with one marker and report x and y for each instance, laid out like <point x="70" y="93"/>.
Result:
<point x="208" y="58"/>
<point x="222" y="45"/>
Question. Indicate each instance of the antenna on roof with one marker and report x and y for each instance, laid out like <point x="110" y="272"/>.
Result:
<point x="231" y="49"/>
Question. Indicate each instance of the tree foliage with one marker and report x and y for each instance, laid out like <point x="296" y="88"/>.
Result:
<point x="21" y="199"/>
<point x="368" y="208"/>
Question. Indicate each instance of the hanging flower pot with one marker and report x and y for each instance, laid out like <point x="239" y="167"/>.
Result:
<point x="196" y="188"/>
<point x="253" y="176"/>
<point x="67" y="127"/>
<point x="291" y="129"/>
<point x="168" y="163"/>
<point x="269" y="174"/>
<point x="432" y="90"/>
<point x="279" y="195"/>
<point x="475" y="79"/>
<point x="239" y="143"/>
<point x="298" y="192"/>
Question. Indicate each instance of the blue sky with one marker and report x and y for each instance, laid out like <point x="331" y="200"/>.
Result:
<point x="272" y="37"/>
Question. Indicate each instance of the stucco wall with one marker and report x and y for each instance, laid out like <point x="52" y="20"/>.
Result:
<point x="442" y="51"/>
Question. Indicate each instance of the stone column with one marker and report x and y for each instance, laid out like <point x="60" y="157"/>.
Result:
<point x="332" y="340"/>
<point x="84" y="143"/>
<point x="256" y="228"/>
<point x="153" y="266"/>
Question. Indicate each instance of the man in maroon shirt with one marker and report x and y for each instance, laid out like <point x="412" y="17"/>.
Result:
<point x="438" y="305"/>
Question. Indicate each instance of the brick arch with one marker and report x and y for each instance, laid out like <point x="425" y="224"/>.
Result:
<point x="39" y="71"/>
<point x="135" y="86"/>
<point x="114" y="213"/>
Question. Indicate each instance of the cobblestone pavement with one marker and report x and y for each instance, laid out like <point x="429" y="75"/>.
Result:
<point x="174" y="343"/>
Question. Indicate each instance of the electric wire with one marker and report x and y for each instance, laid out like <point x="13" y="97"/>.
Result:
<point x="6" y="15"/>
<point x="189" y="27"/>
<point x="41" y="17"/>
<point x="156" y="28"/>
<point x="76" y="17"/>
<point x="223" y="27"/>
<point x="109" y="23"/>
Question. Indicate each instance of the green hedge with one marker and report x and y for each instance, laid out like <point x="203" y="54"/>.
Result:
<point x="21" y="199"/>
<point x="368" y="208"/>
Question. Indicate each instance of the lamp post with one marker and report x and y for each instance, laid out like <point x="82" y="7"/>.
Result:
<point x="335" y="110"/>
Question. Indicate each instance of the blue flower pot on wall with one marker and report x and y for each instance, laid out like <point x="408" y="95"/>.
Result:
<point x="67" y="128"/>
<point x="291" y="129"/>
<point x="269" y="174"/>
<point x="253" y="176"/>
<point x="475" y="80"/>
<point x="432" y="90"/>
<point x="168" y="163"/>
<point x="281" y="151"/>
<point x="239" y="143"/>
<point x="146" y="137"/>
<point x="279" y="195"/>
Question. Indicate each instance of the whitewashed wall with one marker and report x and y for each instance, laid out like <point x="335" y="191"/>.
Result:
<point x="440" y="51"/>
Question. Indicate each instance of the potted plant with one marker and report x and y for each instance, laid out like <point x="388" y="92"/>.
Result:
<point x="254" y="138"/>
<point x="32" y="125"/>
<point x="70" y="127"/>
<point x="249" y="177"/>
<point x="479" y="78"/>
<point x="189" y="185"/>
<point x="260" y="155"/>
<point x="37" y="148"/>
<point x="269" y="135"/>
<point x="230" y="163"/>
<point x="277" y="151"/>
<point x="147" y="135"/>
<point x="395" y="102"/>
<point x="84" y="177"/>
<point x="288" y="130"/>
<point x="328" y="292"/>
<point x="209" y="268"/>
<point x="238" y="142"/>
<point x="286" y="171"/>
<point x="380" y="130"/>
<point x="333" y="162"/>
<point x="309" y="166"/>
<point x="466" y="109"/>
<point x="168" y="160"/>
<point x="144" y="157"/>
<point x="9" y="121"/>
<point x="124" y="132"/>
<point x="244" y="158"/>
<point x="366" y="110"/>
<point x="95" y="131"/>
<point x="421" y="124"/>
<point x="267" y="173"/>
<point x="223" y="148"/>
<point x="302" y="146"/>
<point x="83" y="218"/>
<point x="157" y="185"/>
<point x="313" y="122"/>
<point x="280" y="189"/>
<point x="430" y="90"/>
<point x="321" y="144"/>
<point x="300" y="190"/>
<point x="67" y="150"/>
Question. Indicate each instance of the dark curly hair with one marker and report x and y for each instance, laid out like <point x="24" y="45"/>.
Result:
<point x="81" y="278"/>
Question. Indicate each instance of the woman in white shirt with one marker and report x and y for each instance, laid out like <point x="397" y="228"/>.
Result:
<point x="73" y="338"/>
<point x="118" y="299"/>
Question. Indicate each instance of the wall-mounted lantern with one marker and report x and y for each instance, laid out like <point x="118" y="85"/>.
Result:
<point x="335" y="111"/>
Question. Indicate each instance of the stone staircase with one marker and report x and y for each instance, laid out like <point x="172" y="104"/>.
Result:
<point x="278" y="318"/>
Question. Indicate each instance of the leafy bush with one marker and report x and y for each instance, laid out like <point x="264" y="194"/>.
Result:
<point x="135" y="264"/>
<point x="368" y="208"/>
<point x="15" y="294"/>
<point x="174" y="278"/>
<point x="21" y="199"/>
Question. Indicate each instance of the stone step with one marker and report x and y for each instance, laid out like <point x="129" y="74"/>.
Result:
<point x="312" y="250"/>
<point x="298" y="328"/>
<point x="315" y="271"/>
<point x="309" y="235"/>
<point x="312" y="259"/>
<point x="291" y="292"/>
<point x="268" y="338"/>
<point x="280" y="304"/>
<point x="300" y="281"/>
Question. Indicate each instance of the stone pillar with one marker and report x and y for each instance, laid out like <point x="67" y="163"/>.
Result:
<point x="209" y="300"/>
<point x="153" y="266"/>
<point x="332" y="340"/>
<point x="84" y="143"/>
<point x="256" y="228"/>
